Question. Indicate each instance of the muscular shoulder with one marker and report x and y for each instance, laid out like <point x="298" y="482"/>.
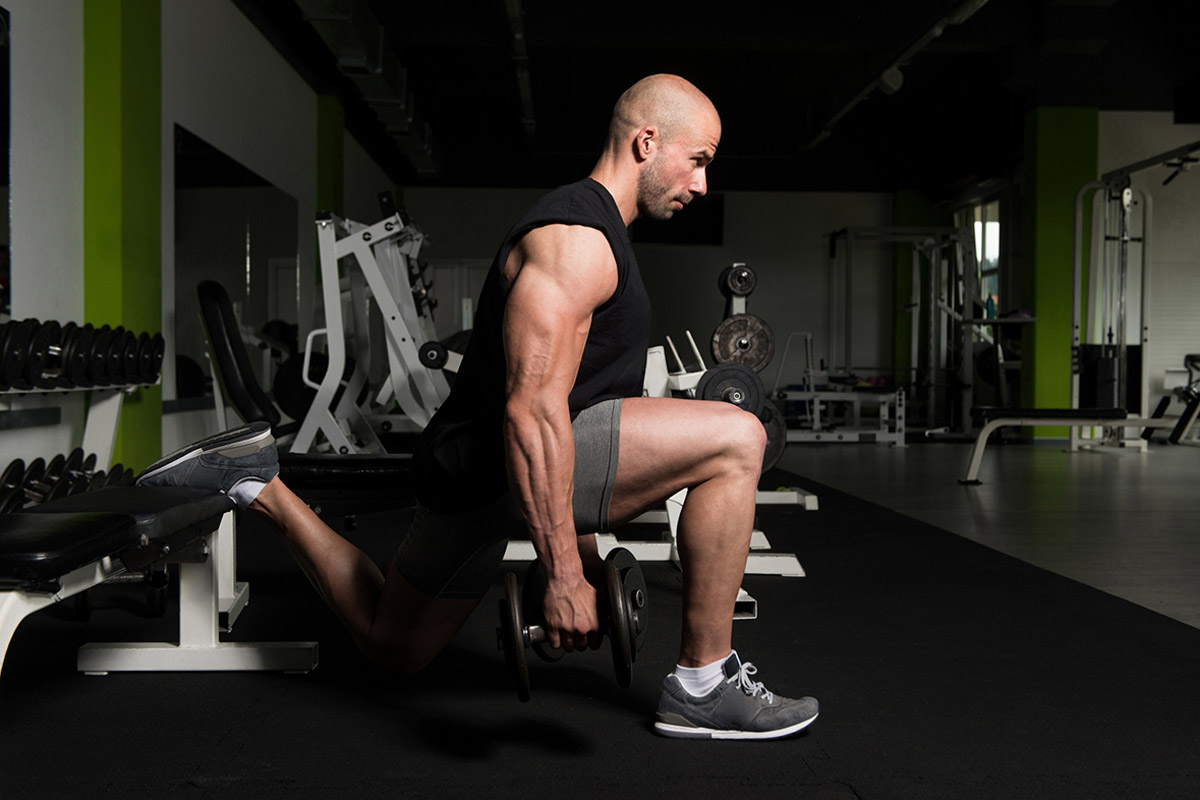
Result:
<point x="577" y="257"/>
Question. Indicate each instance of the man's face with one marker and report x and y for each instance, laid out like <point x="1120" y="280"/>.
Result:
<point x="676" y="172"/>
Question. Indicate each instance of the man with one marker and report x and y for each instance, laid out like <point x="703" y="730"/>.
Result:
<point x="546" y="432"/>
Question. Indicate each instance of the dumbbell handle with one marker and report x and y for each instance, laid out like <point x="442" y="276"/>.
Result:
<point x="534" y="633"/>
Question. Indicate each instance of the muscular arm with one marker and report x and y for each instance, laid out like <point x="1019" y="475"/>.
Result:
<point x="559" y="275"/>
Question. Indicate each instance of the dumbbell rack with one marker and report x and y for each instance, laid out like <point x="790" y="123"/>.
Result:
<point x="103" y="415"/>
<point x="43" y="358"/>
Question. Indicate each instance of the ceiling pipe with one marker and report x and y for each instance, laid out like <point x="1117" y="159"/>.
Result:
<point x="360" y="48"/>
<point x="891" y="79"/>
<point x="520" y="58"/>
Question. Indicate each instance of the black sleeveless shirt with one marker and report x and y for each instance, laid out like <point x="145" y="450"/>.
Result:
<point x="460" y="464"/>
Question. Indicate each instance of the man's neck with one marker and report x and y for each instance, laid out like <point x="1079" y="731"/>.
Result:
<point x="621" y="184"/>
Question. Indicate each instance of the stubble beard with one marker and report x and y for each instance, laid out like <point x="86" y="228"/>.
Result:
<point x="654" y="197"/>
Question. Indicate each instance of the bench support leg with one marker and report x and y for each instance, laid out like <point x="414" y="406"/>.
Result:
<point x="200" y="648"/>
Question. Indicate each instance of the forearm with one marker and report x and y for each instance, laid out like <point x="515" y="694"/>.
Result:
<point x="541" y="463"/>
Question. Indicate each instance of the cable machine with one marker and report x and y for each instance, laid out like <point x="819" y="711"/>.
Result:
<point x="1107" y="359"/>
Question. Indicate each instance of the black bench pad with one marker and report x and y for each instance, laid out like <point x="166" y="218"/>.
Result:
<point x="349" y="483"/>
<point x="50" y="540"/>
<point x="41" y="547"/>
<point x="990" y="413"/>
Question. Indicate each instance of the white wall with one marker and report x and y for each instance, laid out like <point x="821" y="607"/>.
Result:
<point x="782" y="237"/>
<point x="47" y="193"/>
<point x="1127" y="137"/>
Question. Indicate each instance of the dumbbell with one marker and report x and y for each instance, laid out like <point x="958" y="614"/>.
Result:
<point x="73" y="351"/>
<point x="41" y="485"/>
<point x="22" y="354"/>
<point x="42" y="482"/>
<point x="116" y="356"/>
<point x="45" y="355"/>
<point x="98" y="358"/>
<point x="80" y="470"/>
<point x="623" y="622"/>
<point x="12" y="491"/>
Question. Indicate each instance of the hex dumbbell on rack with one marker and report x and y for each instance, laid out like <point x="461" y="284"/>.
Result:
<point x="623" y="621"/>
<point x="36" y="355"/>
<point x="41" y="482"/>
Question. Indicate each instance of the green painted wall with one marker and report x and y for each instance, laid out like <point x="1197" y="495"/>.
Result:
<point x="1061" y="154"/>
<point x="122" y="203"/>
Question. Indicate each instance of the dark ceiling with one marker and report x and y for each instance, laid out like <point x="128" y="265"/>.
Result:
<point x="778" y="72"/>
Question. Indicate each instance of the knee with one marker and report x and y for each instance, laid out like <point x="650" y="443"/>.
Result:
<point x="746" y="439"/>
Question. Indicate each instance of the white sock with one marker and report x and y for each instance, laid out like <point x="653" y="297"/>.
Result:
<point x="245" y="491"/>
<point x="699" y="681"/>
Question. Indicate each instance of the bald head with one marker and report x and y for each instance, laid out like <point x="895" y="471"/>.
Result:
<point x="666" y="102"/>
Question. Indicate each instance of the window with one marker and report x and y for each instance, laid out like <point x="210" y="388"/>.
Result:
<point x="985" y="219"/>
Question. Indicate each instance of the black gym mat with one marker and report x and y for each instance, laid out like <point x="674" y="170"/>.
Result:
<point x="944" y="669"/>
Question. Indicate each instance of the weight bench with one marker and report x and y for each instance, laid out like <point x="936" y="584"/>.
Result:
<point x="60" y="549"/>
<point x="1071" y="417"/>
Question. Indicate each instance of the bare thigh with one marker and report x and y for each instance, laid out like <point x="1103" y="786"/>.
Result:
<point x="668" y="444"/>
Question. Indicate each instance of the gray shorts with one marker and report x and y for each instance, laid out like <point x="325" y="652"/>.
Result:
<point x="458" y="555"/>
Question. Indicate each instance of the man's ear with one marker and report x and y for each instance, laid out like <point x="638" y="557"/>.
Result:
<point x="645" y="142"/>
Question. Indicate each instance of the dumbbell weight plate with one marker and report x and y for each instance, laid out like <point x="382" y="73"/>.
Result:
<point x="4" y="330"/>
<point x="45" y="356"/>
<point x="77" y="345"/>
<point x="34" y="472"/>
<point x="160" y="350"/>
<point x="16" y="353"/>
<point x="55" y="469"/>
<point x="733" y="383"/>
<point x="60" y="489"/>
<point x="776" y="429"/>
<point x="511" y="634"/>
<point x="737" y="281"/>
<point x="37" y="355"/>
<point x="98" y="356"/>
<point x="88" y="464"/>
<point x="116" y="356"/>
<point x="628" y="616"/>
<point x="97" y="481"/>
<point x="130" y="366"/>
<point x="11" y="499"/>
<point x="145" y="358"/>
<point x="14" y="474"/>
<point x="75" y="459"/>
<point x="743" y="339"/>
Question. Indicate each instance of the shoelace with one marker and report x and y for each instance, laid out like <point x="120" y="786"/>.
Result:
<point x="750" y="687"/>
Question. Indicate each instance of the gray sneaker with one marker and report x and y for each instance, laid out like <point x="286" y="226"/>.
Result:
<point x="738" y="708"/>
<point x="219" y="462"/>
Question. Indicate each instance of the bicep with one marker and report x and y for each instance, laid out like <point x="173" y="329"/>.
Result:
<point x="565" y="274"/>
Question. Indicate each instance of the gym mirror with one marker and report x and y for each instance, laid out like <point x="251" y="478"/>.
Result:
<point x="234" y="227"/>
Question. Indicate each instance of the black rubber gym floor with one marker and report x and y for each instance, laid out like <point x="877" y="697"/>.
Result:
<point x="944" y="669"/>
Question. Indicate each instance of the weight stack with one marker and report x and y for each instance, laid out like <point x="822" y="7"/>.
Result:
<point x="1108" y="380"/>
